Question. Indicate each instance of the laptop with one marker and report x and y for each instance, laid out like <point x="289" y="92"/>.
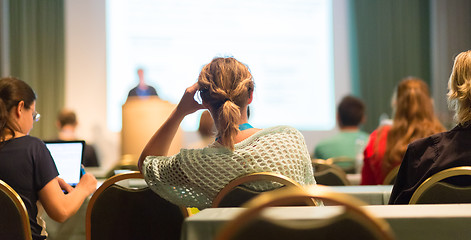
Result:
<point x="68" y="157"/>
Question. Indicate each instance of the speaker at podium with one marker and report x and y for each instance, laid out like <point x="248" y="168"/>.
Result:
<point x="142" y="116"/>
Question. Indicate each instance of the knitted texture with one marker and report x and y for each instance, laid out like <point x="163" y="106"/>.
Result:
<point x="193" y="177"/>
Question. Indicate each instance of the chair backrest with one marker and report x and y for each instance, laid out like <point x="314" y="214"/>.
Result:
<point x="328" y="174"/>
<point x="14" y="219"/>
<point x="347" y="164"/>
<point x="390" y="178"/>
<point x="234" y="194"/>
<point x="436" y="190"/>
<point x="353" y="223"/>
<point x="128" y="162"/>
<point x="118" y="212"/>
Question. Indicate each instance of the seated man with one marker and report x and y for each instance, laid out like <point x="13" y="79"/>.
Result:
<point x="67" y="123"/>
<point x="350" y="140"/>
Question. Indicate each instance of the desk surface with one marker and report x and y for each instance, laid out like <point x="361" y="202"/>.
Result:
<point x="354" y="178"/>
<point x="370" y="194"/>
<point x="450" y="221"/>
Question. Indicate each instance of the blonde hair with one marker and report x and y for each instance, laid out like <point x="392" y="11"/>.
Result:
<point x="459" y="88"/>
<point x="226" y="84"/>
<point x="414" y="118"/>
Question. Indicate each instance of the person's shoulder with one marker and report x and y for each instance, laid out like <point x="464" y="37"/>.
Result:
<point x="327" y="142"/>
<point x="281" y="129"/>
<point x="276" y="132"/>
<point x="132" y="92"/>
<point x="363" y="133"/>
<point x="32" y="140"/>
<point x="30" y="143"/>
<point x="428" y="142"/>
<point x="381" y="130"/>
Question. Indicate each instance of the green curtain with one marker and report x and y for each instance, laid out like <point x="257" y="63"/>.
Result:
<point x="37" y="56"/>
<point x="390" y="40"/>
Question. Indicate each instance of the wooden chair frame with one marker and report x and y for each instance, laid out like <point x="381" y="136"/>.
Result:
<point x="112" y="180"/>
<point x="437" y="177"/>
<point x="16" y="199"/>
<point x="334" y="168"/>
<point x="341" y="159"/>
<point x="391" y="175"/>
<point x="281" y="196"/>
<point x="253" y="177"/>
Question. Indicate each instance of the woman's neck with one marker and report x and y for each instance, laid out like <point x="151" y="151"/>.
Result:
<point x="9" y="136"/>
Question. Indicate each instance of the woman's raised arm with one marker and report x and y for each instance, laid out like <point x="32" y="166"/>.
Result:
<point x="160" y="142"/>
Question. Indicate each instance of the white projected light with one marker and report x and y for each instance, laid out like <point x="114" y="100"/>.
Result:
<point x="286" y="44"/>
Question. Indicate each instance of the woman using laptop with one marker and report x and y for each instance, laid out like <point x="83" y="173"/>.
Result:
<point x="193" y="177"/>
<point x="26" y="164"/>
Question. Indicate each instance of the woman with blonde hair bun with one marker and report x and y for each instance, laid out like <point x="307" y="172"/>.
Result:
<point x="414" y="118"/>
<point x="441" y="151"/>
<point x="193" y="177"/>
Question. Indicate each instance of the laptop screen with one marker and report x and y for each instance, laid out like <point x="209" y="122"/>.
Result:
<point x="68" y="158"/>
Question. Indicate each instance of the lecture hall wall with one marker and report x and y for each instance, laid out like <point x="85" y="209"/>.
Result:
<point x="86" y="74"/>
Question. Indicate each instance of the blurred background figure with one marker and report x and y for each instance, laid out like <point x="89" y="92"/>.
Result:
<point x="445" y="150"/>
<point x="142" y="89"/>
<point x="413" y="119"/>
<point x="206" y="131"/>
<point x="350" y="115"/>
<point x="67" y="124"/>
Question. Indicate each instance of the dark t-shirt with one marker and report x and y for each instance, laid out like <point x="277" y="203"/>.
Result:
<point x="90" y="158"/>
<point x="27" y="166"/>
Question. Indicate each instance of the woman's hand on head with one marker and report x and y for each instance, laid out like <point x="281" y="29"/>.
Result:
<point x="188" y="104"/>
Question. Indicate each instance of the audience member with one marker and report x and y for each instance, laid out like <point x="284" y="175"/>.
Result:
<point x="441" y="151"/>
<point x="142" y="89"/>
<point x="26" y="164"/>
<point x="193" y="177"/>
<point x="67" y="124"/>
<point x="206" y="131"/>
<point x="350" y="114"/>
<point x="414" y="118"/>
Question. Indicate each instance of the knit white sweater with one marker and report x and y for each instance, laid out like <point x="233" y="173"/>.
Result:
<point x="193" y="177"/>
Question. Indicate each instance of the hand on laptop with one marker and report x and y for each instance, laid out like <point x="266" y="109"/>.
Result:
<point x="64" y="186"/>
<point x="88" y="183"/>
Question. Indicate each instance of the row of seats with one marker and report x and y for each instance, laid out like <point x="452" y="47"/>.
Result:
<point x="119" y="212"/>
<point x="331" y="172"/>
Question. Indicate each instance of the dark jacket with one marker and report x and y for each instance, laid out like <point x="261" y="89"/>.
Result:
<point x="430" y="155"/>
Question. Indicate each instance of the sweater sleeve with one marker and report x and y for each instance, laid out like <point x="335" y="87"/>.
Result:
<point x="165" y="177"/>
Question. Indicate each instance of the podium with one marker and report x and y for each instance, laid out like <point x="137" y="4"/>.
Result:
<point x="141" y="119"/>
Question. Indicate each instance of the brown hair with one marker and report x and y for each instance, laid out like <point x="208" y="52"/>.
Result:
<point x="459" y="88"/>
<point x="66" y="117"/>
<point x="226" y="84"/>
<point x="12" y="92"/>
<point x="351" y="111"/>
<point x="413" y="119"/>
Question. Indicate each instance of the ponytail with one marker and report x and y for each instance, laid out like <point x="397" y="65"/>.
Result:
<point x="226" y="85"/>
<point x="229" y="116"/>
<point x="3" y="120"/>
